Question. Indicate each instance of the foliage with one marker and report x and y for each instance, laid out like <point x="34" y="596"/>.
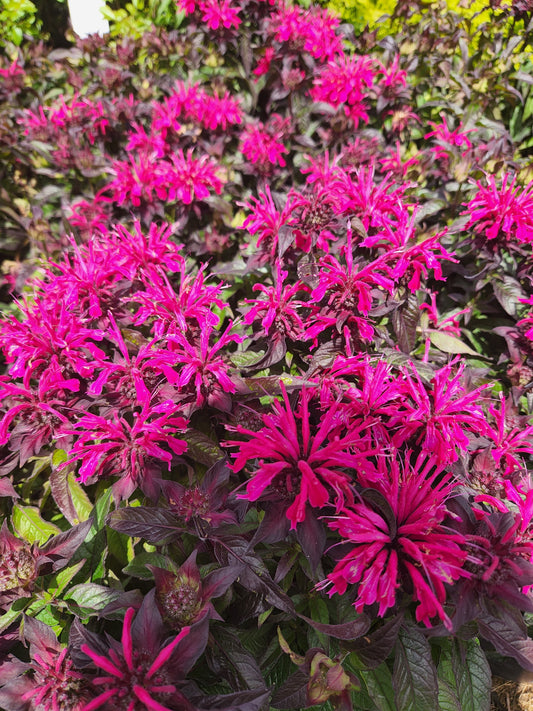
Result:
<point x="17" y="18"/>
<point x="265" y="404"/>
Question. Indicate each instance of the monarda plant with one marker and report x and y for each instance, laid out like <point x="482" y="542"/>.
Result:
<point x="265" y="413"/>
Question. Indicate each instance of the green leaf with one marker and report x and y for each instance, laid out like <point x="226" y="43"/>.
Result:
<point x="63" y="578"/>
<point x="378" y="682"/>
<point x="69" y="496"/>
<point x="450" y="344"/>
<point x="29" y="524"/>
<point x="137" y="567"/>
<point x="90" y="598"/>
<point x="464" y="677"/>
<point x="14" y="612"/>
<point x="414" y="676"/>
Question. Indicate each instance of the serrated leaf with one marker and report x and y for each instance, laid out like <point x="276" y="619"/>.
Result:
<point x="451" y="344"/>
<point x="293" y="692"/>
<point x="90" y="598"/>
<point x="202" y="448"/>
<point x="137" y="567"/>
<point x="29" y="524"/>
<point x="378" y="682"/>
<point x="373" y="648"/>
<point x="155" y="525"/>
<point x="464" y="677"/>
<point x="508" y="637"/>
<point x="414" y="676"/>
<point x="13" y="613"/>
<point x="405" y="323"/>
<point x="233" y="662"/>
<point x="70" y="498"/>
<point x="508" y="292"/>
<point x="63" y="578"/>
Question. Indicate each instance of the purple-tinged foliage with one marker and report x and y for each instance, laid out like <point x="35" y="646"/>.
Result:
<point x="263" y="227"/>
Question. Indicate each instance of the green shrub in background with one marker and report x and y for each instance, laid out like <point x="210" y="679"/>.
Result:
<point x="361" y="13"/>
<point x="17" y="18"/>
<point x="134" y="18"/>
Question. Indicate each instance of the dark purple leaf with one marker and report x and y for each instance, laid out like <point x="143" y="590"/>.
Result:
<point x="62" y="547"/>
<point x="229" y="659"/>
<point x="293" y="693"/>
<point x="346" y="631"/>
<point x="373" y="648"/>
<point x="157" y="526"/>
<point x="508" y="633"/>
<point x="311" y="535"/>
<point x="414" y="677"/>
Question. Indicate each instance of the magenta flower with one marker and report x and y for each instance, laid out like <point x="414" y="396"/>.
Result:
<point x="141" y="253"/>
<point x="400" y="541"/>
<point x="510" y="437"/>
<point x="86" y="280"/>
<point x="220" y="13"/>
<point x="438" y="419"/>
<point x="192" y="103"/>
<point x="502" y="213"/>
<point x="183" y="310"/>
<point x="49" y="682"/>
<point x="133" y="379"/>
<point x="142" y="671"/>
<point x="344" y="81"/>
<point x="312" y="29"/>
<point x="203" y="369"/>
<point x="50" y="336"/>
<point x="125" y="446"/>
<point x="304" y="463"/>
<point x="33" y="417"/>
<point x="189" y="178"/>
<point x="259" y="146"/>
<point x="446" y="139"/>
<point x="266" y="220"/>
<point x="277" y="309"/>
<point x="347" y="288"/>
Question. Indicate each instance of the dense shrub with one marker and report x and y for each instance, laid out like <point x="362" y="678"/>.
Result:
<point x="267" y="365"/>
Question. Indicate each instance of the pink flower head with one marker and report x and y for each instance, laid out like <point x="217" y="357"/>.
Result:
<point x="346" y="287"/>
<point x="392" y="75"/>
<point x="50" y="336"/>
<point x="220" y="13"/>
<point x="126" y="446"/>
<point x="202" y="368"/>
<point x="260" y="147"/>
<point x="49" y="682"/>
<point x="344" y="82"/>
<point x="277" y="309"/>
<point x="189" y="102"/>
<point x="184" y="309"/>
<point x="190" y="178"/>
<point x="266" y="219"/>
<point x="143" y="670"/>
<point x="140" y="253"/>
<point x="132" y="379"/>
<point x="502" y="213"/>
<point x="400" y="541"/>
<point x="438" y="418"/>
<point x="445" y="138"/>
<point x="305" y="463"/>
<point x="510" y="437"/>
<point x="312" y="30"/>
